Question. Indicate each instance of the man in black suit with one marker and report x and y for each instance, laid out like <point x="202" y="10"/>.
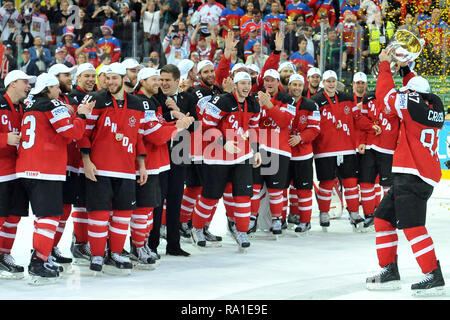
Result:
<point x="174" y="104"/>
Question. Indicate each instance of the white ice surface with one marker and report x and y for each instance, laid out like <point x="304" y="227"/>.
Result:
<point x="332" y="265"/>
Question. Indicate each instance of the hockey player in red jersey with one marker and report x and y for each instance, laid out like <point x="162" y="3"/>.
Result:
<point x="227" y="159"/>
<point x="416" y="170"/>
<point x="304" y="129"/>
<point x="112" y="132"/>
<point x="64" y="76"/>
<point x="17" y="85"/>
<point x="277" y="113"/>
<point x="47" y="128"/>
<point x="334" y="148"/>
<point x="76" y="181"/>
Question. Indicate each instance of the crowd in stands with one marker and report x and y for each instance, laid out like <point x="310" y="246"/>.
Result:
<point x="36" y="34"/>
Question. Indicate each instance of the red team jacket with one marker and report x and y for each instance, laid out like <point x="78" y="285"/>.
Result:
<point x="47" y="128"/>
<point x="156" y="132"/>
<point x="10" y="119"/>
<point x="274" y="126"/>
<point x="417" y="150"/>
<point x="112" y="135"/>
<point x="233" y="121"/>
<point x="337" y="128"/>
<point x="306" y="124"/>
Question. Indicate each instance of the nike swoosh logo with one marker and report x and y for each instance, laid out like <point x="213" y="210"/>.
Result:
<point x="108" y="103"/>
<point x="133" y="203"/>
<point x="4" y="105"/>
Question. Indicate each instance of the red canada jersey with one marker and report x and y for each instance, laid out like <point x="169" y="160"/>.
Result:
<point x="224" y="119"/>
<point x="275" y="123"/>
<point x="337" y="130"/>
<point x="156" y="133"/>
<point x="202" y="95"/>
<point x="418" y="145"/>
<point x="306" y="124"/>
<point x="386" y="141"/>
<point x="47" y="128"/>
<point x="10" y="119"/>
<point x="112" y="134"/>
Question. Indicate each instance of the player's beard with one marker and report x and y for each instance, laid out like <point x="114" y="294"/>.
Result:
<point x="208" y="82"/>
<point x="65" y="88"/>
<point x="115" y="90"/>
<point x="284" y="81"/>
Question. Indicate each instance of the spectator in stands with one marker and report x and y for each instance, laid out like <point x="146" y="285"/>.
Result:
<point x="39" y="22"/>
<point x="298" y="8"/>
<point x="150" y="20"/>
<point x="67" y="40"/>
<point x="235" y="58"/>
<point x="248" y="13"/>
<point x="172" y="47"/>
<point x="124" y="27"/>
<point x="12" y="61"/>
<point x="154" y="61"/>
<point x="311" y="46"/>
<point x="410" y="24"/>
<point x="302" y="59"/>
<point x="201" y="46"/>
<point x="274" y="17"/>
<point x="105" y="60"/>
<point x="40" y="55"/>
<point x="10" y="19"/>
<point x="62" y="16"/>
<point x="240" y="44"/>
<point x="332" y="52"/>
<point x="208" y="14"/>
<point x="108" y="43"/>
<point x="81" y="58"/>
<point x="257" y="57"/>
<point x="170" y="10"/>
<point x="28" y="66"/>
<point x="90" y="49"/>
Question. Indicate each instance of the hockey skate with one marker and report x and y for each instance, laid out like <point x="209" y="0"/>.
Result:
<point x="356" y="221"/>
<point x="116" y="264"/>
<point x="293" y="219"/>
<point x="242" y="241"/>
<point x="303" y="228"/>
<point x="185" y="232"/>
<point x="41" y="272"/>
<point x="9" y="269"/>
<point x="252" y="224"/>
<point x="64" y="264"/>
<point x="432" y="284"/>
<point x="96" y="265"/>
<point x="81" y="253"/>
<point x="141" y="259"/>
<point x="368" y="223"/>
<point x="387" y="279"/>
<point x="211" y="239"/>
<point x="276" y="228"/>
<point x="198" y="237"/>
<point x="324" y="219"/>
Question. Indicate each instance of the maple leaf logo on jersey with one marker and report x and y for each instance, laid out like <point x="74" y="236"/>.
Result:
<point x="303" y="119"/>
<point x="132" y="121"/>
<point x="346" y="109"/>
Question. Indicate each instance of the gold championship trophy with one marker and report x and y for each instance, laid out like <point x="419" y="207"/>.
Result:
<point x="405" y="46"/>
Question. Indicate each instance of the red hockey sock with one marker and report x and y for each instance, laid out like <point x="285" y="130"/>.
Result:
<point x="138" y="226"/>
<point x="378" y="194"/>
<point x="386" y="242"/>
<point x="367" y="197"/>
<point x="67" y="209"/>
<point x="8" y="231"/>
<point x="163" y="217"/>
<point x="422" y="247"/>
<point x="190" y="195"/>
<point x="118" y="229"/>
<point x="276" y="202"/>
<point x="98" y="231"/>
<point x="149" y="223"/>
<point x="242" y="212"/>
<point x="285" y="204"/>
<point x="351" y="194"/>
<point x="203" y="211"/>
<point x="43" y="236"/>
<point x="293" y="201"/>
<point x="228" y="200"/>
<point x="305" y="204"/>
<point x="256" y="199"/>
<point x="80" y="224"/>
<point x="324" y="193"/>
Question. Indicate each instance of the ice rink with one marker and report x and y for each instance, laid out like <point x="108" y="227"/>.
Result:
<point x="319" y="266"/>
